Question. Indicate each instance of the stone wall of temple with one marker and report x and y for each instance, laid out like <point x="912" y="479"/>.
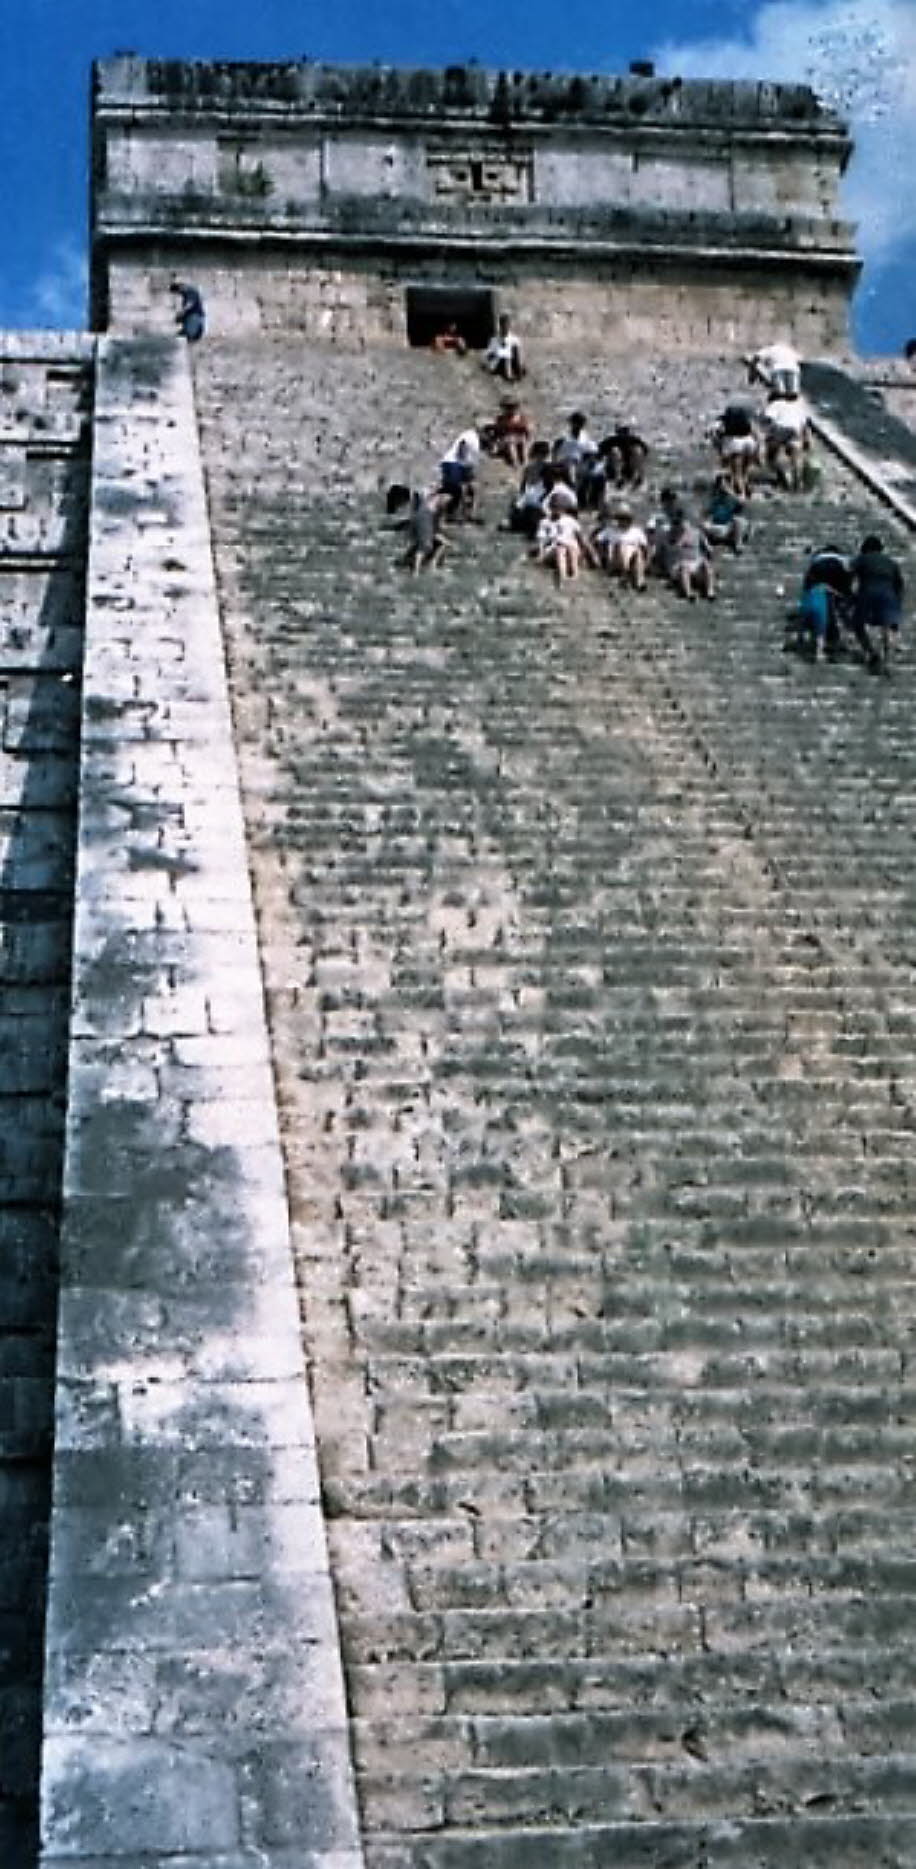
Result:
<point x="695" y="309"/>
<point x="311" y="197"/>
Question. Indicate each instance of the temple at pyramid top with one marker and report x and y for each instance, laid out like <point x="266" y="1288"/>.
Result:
<point x="364" y="204"/>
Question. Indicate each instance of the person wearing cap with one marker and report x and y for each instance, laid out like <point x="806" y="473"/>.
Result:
<point x="623" y="546"/>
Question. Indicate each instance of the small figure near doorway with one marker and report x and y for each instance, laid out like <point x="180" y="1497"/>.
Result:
<point x="190" y="316"/>
<point x="449" y="340"/>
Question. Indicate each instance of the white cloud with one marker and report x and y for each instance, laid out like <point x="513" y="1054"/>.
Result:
<point x="59" y="296"/>
<point x="860" y="55"/>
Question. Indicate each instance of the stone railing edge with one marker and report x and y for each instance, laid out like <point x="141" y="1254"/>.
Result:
<point x="194" y="1703"/>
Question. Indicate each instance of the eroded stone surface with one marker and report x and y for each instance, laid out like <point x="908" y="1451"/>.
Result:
<point x="45" y="396"/>
<point x="194" y="1709"/>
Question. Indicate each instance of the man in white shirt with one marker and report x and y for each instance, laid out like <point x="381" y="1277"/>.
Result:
<point x="503" y="354"/>
<point x="457" y="471"/>
<point x="780" y="365"/>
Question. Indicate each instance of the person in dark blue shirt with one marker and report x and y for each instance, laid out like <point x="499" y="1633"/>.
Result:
<point x="878" y="589"/>
<point x="190" y="317"/>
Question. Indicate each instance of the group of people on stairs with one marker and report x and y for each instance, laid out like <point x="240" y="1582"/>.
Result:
<point x="583" y="501"/>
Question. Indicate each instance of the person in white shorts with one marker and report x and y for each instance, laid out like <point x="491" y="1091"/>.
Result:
<point x="787" y="437"/>
<point x="561" y="543"/>
<point x="735" y="439"/>
<point x="623" y="547"/>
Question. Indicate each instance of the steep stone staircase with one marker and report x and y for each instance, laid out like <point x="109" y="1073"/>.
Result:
<point x="44" y="390"/>
<point x="587" y="933"/>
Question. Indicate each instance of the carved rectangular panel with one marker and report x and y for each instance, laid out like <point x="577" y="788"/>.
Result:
<point x="480" y="174"/>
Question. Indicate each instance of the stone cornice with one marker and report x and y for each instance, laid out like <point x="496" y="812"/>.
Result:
<point x="634" y="133"/>
<point x="460" y="94"/>
<point x="417" y="245"/>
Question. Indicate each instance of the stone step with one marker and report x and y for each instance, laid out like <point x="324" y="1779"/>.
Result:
<point x="499" y="1378"/>
<point x="583" y="1483"/>
<point x="684" y="1688"/>
<point x="570" y="1796"/>
<point x="806" y="1626"/>
<point x="828" y="1842"/>
<point x="614" y="1584"/>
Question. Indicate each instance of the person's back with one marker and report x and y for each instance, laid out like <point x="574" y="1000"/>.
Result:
<point x="736" y="420"/>
<point x="562" y="498"/>
<point x="786" y="414"/>
<point x="879" y="588"/>
<point x="830" y="568"/>
<point x="781" y="364"/>
<point x="875" y="569"/>
<point x="723" y="505"/>
<point x="457" y="471"/>
<point x="190" y="317"/>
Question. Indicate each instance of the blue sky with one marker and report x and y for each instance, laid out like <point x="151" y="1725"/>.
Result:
<point x="861" y="52"/>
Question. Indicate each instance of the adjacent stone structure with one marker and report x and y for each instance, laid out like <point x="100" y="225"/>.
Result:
<point x="45" y="389"/>
<point x="363" y="204"/>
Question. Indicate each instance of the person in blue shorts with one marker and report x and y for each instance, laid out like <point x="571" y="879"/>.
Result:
<point x="878" y="590"/>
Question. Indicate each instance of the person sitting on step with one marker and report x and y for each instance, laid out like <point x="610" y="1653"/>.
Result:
<point x="527" y="508"/>
<point x="625" y="455"/>
<point x="576" y="450"/>
<point x="724" y="521"/>
<point x="509" y="436"/>
<point x="503" y="355"/>
<point x="562" y="543"/>
<point x="449" y="339"/>
<point x="689" y="560"/>
<point x="623" y="547"/>
<point x="671" y="505"/>
<point x="561" y="493"/>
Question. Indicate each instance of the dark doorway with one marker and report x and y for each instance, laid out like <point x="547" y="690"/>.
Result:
<point x="431" y="309"/>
